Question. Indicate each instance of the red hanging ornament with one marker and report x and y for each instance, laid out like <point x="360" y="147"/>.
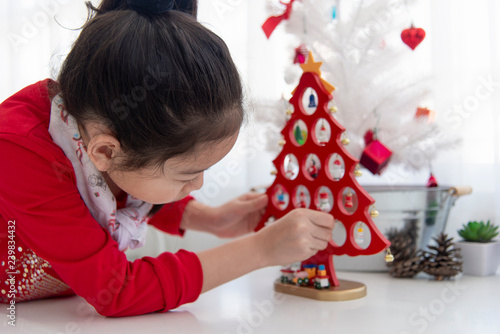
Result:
<point x="369" y="137"/>
<point x="272" y="22"/>
<point x="413" y="36"/>
<point x="301" y="53"/>
<point x="432" y="182"/>
<point x="375" y="157"/>
<point x="425" y="112"/>
<point x="348" y="200"/>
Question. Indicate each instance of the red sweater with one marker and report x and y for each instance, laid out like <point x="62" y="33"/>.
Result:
<point x="59" y="248"/>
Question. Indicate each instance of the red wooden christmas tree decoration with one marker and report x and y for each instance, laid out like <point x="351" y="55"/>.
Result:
<point x="315" y="171"/>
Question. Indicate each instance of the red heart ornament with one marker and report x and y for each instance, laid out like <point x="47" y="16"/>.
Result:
<point x="413" y="36"/>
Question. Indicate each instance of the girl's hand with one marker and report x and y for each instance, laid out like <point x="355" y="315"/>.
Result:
<point x="295" y="237"/>
<point x="239" y="216"/>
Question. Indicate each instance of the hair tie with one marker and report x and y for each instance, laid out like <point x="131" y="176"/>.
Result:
<point x="151" y="6"/>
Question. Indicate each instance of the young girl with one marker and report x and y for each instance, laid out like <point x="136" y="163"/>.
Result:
<point x="146" y="101"/>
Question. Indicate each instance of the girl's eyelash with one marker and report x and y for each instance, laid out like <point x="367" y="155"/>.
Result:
<point x="193" y="179"/>
<point x="190" y="180"/>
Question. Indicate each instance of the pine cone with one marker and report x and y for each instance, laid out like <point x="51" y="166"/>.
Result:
<point x="403" y="242"/>
<point x="401" y="248"/>
<point x="411" y="229"/>
<point x="407" y="261"/>
<point x="443" y="261"/>
<point x="407" y="268"/>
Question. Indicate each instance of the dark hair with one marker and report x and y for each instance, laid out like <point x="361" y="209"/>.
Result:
<point x="162" y="83"/>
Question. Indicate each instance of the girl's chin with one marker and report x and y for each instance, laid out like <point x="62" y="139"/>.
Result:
<point x="170" y="200"/>
<point x="164" y="200"/>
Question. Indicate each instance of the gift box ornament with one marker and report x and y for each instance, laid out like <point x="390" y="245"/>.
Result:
<point x="375" y="157"/>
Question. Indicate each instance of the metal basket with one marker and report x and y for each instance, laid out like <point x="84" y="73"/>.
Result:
<point x="421" y="210"/>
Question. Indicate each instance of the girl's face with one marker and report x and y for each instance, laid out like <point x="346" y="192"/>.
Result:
<point x="179" y="176"/>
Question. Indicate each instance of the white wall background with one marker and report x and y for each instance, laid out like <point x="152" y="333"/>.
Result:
<point x="464" y="40"/>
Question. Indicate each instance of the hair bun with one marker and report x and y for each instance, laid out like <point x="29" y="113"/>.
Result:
<point x="151" y="6"/>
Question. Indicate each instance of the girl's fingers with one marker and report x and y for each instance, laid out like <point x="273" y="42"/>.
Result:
<point x="318" y="245"/>
<point x="322" y="234"/>
<point x="321" y="219"/>
<point x="251" y="195"/>
<point x="252" y="202"/>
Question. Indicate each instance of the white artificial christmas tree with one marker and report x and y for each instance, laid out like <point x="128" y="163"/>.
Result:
<point x="380" y="81"/>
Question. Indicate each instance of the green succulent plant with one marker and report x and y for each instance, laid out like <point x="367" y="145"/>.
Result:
<point x="478" y="231"/>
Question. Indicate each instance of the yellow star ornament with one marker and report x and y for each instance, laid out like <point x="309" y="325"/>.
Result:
<point x="312" y="66"/>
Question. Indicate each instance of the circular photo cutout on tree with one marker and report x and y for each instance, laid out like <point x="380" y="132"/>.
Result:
<point x="322" y="132"/>
<point x="339" y="234"/>
<point x="362" y="235"/>
<point x="348" y="200"/>
<point x="336" y="167"/>
<point x="301" y="197"/>
<point x="299" y="133"/>
<point x="312" y="166"/>
<point x="323" y="199"/>
<point x="309" y="101"/>
<point x="290" y="167"/>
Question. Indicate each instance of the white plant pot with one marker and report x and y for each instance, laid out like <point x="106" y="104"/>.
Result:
<point x="479" y="259"/>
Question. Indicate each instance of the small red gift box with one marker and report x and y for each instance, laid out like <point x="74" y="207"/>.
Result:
<point x="375" y="157"/>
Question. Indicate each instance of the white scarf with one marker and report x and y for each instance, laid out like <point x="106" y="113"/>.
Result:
<point x="127" y="226"/>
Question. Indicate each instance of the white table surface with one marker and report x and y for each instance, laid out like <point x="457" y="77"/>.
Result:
<point x="249" y="305"/>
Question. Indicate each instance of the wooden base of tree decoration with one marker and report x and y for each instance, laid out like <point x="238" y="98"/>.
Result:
<point x="315" y="171"/>
<point x="347" y="290"/>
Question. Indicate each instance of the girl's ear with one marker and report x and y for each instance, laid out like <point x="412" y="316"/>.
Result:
<point x="101" y="150"/>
